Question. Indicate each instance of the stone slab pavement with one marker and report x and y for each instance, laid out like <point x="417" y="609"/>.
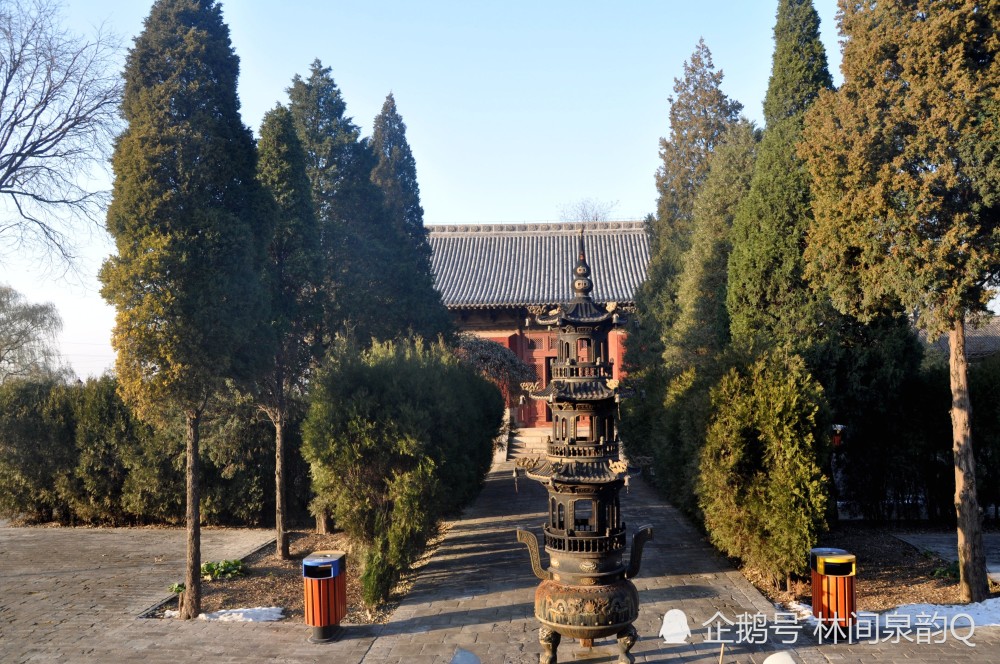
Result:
<point x="945" y="546"/>
<point x="73" y="595"/>
<point x="476" y="595"/>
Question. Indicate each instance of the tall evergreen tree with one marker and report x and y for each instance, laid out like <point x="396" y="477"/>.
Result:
<point x="905" y="161"/>
<point x="769" y="301"/>
<point x="695" y="342"/>
<point x="339" y="168"/>
<point x="395" y="174"/>
<point x="699" y="115"/>
<point x="701" y="330"/>
<point x="293" y="275"/>
<point x="189" y="247"/>
<point x="369" y="270"/>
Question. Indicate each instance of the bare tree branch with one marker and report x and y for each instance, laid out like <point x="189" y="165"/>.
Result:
<point x="59" y="100"/>
<point x="588" y="209"/>
<point x="27" y="337"/>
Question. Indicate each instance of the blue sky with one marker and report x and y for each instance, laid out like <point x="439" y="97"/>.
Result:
<point x="514" y="109"/>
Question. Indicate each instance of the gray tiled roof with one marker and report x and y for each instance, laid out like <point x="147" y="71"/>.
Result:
<point x="508" y="265"/>
<point x="981" y="340"/>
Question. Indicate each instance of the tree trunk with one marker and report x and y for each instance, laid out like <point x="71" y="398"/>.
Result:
<point x="192" y="579"/>
<point x="324" y="524"/>
<point x="281" y="537"/>
<point x="973" y="584"/>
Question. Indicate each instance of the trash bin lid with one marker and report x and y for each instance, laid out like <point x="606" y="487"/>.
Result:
<point x="333" y="559"/>
<point x="832" y="562"/>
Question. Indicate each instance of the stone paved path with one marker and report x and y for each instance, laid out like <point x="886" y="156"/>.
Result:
<point x="945" y="546"/>
<point x="72" y="595"/>
<point x="477" y="593"/>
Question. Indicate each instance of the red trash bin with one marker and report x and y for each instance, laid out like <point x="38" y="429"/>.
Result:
<point x="834" y="600"/>
<point x="324" y="574"/>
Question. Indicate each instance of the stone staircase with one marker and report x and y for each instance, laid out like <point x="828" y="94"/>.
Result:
<point x="528" y="442"/>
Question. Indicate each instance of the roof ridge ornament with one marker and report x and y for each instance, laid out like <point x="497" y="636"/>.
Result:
<point x="582" y="284"/>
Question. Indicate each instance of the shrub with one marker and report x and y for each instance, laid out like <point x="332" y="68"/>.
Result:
<point x="37" y="453"/>
<point x="238" y="463"/>
<point x="109" y="440"/>
<point x="154" y="488"/>
<point x="223" y="569"/>
<point x="686" y="415"/>
<point x="77" y="453"/>
<point x="396" y="436"/>
<point x="761" y="489"/>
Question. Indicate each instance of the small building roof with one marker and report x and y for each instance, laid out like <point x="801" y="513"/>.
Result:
<point x="982" y="339"/>
<point x="512" y="265"/>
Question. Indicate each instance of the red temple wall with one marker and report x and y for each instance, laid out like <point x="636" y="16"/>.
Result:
<point x="537" y="348"/>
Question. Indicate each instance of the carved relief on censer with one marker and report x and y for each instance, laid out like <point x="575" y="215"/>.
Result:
<point x="585" y="591"/>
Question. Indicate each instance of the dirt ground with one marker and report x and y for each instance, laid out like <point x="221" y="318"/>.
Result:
<point x="270" y="581"/>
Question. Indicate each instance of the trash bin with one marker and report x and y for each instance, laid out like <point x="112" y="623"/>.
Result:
<point x="324" y="574"/>
<point x="833" y="596"/>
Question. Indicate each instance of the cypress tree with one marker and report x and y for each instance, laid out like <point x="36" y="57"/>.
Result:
<point x="338" y="167"/>
<point x="370" y="270"/>
<point x="769" y="301"/>
<point x="905" y="168"/>
<point x="699" y="115"/>
<point x="293" y="275"/>
<point x="701" y="329"/>
<point x="695" y="343"/>
<point x="395" y="174"/>
<point x="189" y="247"/>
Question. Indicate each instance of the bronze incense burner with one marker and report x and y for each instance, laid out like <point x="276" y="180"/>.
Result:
<point x="585" y="592"/>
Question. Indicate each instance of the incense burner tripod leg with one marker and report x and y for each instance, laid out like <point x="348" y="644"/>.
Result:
<point x="626" y="639"/>
<point x="550" y="642"/>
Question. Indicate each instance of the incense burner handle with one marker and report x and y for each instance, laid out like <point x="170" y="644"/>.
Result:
<point x="638" y="541"/>
<point x="532" y="542"/>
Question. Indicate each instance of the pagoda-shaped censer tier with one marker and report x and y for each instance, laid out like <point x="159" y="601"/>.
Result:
<point x="585" y="592"/>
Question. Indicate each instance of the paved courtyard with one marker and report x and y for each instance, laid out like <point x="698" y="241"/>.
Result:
<point x="73" y="595"/>
<point x="946" y="547"/>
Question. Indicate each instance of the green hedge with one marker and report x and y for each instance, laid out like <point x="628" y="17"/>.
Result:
<point x="761" y="489"/>
<point x="76" y="454"/>
<point x="397" y="436"/>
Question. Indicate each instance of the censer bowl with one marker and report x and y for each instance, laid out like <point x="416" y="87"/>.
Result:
<point x="587" y="612"/>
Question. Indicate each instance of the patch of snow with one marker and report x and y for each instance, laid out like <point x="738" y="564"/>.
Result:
<point x="803" y="613"/>
<point x="256" y="614"/>
<point x="982" y="614"/>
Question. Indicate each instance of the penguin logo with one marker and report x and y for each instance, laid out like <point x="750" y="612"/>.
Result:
<point x="675" y="627"/>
